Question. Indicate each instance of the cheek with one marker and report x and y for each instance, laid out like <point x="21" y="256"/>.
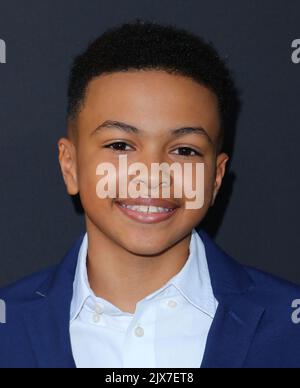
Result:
<point x="88" y="179"/>
<point x="208" y="187"/>
<point x="210" y="174"/>
<point x="89" y="158"/>
<point x="200" y="183"/>
<point x="96" y="208"/>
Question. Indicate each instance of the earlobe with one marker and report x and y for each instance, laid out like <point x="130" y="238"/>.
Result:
<point x="67" y="160"/>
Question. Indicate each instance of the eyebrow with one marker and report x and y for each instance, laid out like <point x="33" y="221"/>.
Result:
<point x="131" y="129"/>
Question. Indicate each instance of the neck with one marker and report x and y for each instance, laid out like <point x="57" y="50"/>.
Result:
<point x="124" y="278"/>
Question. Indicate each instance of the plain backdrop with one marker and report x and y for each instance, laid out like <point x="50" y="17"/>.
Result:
<point x="256" y="216"/>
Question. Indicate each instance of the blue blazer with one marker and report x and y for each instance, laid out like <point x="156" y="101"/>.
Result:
<point x="252" y="328"/>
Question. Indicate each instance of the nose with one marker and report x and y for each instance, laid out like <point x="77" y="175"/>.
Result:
<point x="154" y="176"/>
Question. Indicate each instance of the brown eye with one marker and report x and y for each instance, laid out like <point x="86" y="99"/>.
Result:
<point x="187" y="151"/>
<point x="119" y="146"/>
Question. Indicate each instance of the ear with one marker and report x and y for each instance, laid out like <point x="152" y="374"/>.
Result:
<point x="68" y="165"/>
<point x="222" y="159"/>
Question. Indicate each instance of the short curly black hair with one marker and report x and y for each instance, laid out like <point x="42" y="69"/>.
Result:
<point x="142" y="45"/>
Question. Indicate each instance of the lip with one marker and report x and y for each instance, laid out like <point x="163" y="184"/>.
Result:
<point x="148" y="202"/>
<point x="147" y="218"/>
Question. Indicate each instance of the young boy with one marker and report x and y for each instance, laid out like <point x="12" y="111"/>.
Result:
<point x="143" y="287"/>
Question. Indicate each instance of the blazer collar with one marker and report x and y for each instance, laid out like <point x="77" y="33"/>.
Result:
<point x="229" y="339"/>
<point x="48" y="320"/>
<point x="237" y="317"/>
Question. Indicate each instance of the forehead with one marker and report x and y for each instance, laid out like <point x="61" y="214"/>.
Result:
<point x="150" y="99"/>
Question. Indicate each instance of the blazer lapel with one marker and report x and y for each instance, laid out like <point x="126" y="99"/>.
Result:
<point x="48" y="319"/>
<point x="232" y="332"/>
<point x="237" y="318"/>
<point x="50" y="338"/>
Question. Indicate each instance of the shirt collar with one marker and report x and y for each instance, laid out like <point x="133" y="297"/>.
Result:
<point x="193" y="281"/>
<point x="81" y="287"/>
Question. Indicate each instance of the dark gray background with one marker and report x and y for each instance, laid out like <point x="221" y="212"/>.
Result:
<point x="257" y="218"/>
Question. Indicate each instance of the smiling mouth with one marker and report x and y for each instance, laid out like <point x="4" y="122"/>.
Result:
<point x="147" y="210"/>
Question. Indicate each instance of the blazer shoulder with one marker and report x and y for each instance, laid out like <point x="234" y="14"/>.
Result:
<point x="34" y="286"/>
<point x="273" y="288"/>
<point x="23" y="290"/>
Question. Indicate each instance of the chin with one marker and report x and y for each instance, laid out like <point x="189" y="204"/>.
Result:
<point x="146" y="248"/>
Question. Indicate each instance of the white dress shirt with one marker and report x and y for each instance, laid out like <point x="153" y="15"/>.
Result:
<point x="169" y="328"/>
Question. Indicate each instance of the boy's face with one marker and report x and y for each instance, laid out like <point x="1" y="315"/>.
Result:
<point x="155" y="103"/>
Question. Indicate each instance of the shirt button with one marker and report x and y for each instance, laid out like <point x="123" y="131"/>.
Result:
<point x="139" y="332"/>
<point x="96" y="318"/>
<point x="99" y="309"/>
<point x="172" y="304"/>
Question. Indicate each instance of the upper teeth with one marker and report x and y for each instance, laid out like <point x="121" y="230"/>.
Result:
<point x="147" y="209"/>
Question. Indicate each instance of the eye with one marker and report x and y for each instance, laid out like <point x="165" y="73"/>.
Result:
<point x="120" y="146"/>
<point x="187" y="151"/>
